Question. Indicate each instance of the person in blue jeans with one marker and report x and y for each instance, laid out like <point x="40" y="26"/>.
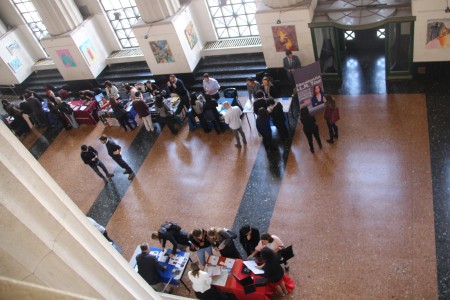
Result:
<point x="90" y="157"/>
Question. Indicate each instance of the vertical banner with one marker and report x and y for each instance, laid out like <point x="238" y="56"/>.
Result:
<point x="308" y="81"/>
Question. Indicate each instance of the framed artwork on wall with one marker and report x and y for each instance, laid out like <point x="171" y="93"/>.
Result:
<point x="162" y="52"/>
<point x="285" y="38"/>
<point x="88" y="51"/>
<point x="66" y="58"/>
<point x="438" y="34"/>
<point x="191" y="35"/>
<point x="15" y="64"/>
<point x="13" y="47"/>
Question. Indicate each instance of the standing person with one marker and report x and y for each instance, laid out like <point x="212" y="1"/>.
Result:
<point x="64" y="92"/>
<point x="143" y="111"/>
<point x="148" y="267"/>
<point x="65" y="108"/>
<point x="252" y="87"/>
<point x="26" y="109"/>
<point x="90" y="157"/>
<point x="131" y="90"/>
<point x="264" y="129"/>
<point x="112" y="92"/>
<point x="331" y="115"/>
<point x="233" y="119"/>
<point x="268" y="87"/>
<point x="249" y="238"/>
<point x="290" y="63"/>
<point x="100" y="228"/>
<point x="114" y="151"/>
<point x="197" y="110"/>
<point x="201" y="284"/>
<point x="121" y="115"/>
<point x="172" y="232"/>
<point x="18" y="124"/>
<point x="310" y="128"/>
<point x="39" y="116"/>
<point x="211" y="86"/>
<point x="222" y="239"/>
<point x="211" y="113"/>
<point x="176" y="86"/>
<point x="165" y="114"/>
<point x="200" y="244"/>
<point x="275" y="110"/>
<point x="259" y="102"/>
<point x="274" y="243"/>
<point x="276" y="278"/>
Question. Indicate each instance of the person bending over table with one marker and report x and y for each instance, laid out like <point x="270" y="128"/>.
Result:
<point x="176" y="86"/>
<point x="222" y="240"/>
<point x="249" y="238"/>
<point x="148" y="267"/>
<point x="201" y="284"/>
<point x="270" y="241"/>
<point x="200" y="243"/>
<point x="276" y="278"/>
<point x="172" y="232"/>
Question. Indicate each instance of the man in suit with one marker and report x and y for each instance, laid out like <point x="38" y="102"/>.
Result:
<point x="114" y="151"/>
<point x="176" y="86"/>
<point x="290" y="63"/>
<point x="148" y="267"/>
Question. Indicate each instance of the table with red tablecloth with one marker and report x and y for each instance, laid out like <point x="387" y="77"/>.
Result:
<point x="85" y="113"/>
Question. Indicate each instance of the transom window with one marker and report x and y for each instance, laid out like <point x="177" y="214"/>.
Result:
<point x="123" y="14"/>
<point x="233" y="18"/>
<point x="32" y="18"/>
<point x="381" y="33"/>
<point x="349" y="35"/>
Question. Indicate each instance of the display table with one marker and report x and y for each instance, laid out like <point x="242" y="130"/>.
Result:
<point x="286" y="102"/>
<point x="232" y="285"/>
<point x="85" y="114"/>
<point x="176" y="266"/>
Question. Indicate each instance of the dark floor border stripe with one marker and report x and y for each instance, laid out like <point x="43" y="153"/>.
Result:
<point x="45" y="140"/>
<point x="109" y="198"/>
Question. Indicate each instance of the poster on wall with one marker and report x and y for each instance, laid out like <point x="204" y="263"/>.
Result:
<point x="285" y="38"/>
<point x="191" y="35"/>
<point x="15" y="64"/>
<point x="437" y="34"/>
<point x="308" y="80"/>
<point x="88" y="51"/>
<point x="13" y="48"/>
<point x="161" y="51"/>
<point x="66" y="58"/>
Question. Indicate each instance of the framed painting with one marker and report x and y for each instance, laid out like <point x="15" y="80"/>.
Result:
<point x="285" y="38"/>
<point x="66" y="58"/>
<point x="191" y="35"/>
<point x="15" y="64"/>
<point x="162" y="52"/>
<point x="13" y="47"/>
<point x="438" y="34"/>
<point x="88" y="51"/>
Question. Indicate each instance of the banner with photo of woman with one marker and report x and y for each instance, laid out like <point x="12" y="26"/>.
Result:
<point x="308" y="81"/>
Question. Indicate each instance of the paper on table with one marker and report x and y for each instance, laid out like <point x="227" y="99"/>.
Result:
<point x="251" y="264"/>
<point x="83" y="107"/>
<point x="220" y="280"/>
<point x="229" y="263"/>
<point x="213" y="260"/>
<point x="214" y="271"/>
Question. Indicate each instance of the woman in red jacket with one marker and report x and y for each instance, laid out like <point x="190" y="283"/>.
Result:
<point x="331" y="115"/>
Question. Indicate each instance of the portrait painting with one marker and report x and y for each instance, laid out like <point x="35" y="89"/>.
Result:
<point x="162" y="52"/>
<point x="191" y="35"/>
<point x="66" y="58"/>
<point x="438" y="34"/>
<point x="285" y="38"/>
<point x="88" y="51"/>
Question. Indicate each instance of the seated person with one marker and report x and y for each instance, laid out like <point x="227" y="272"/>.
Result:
<point x="259" y="102"/>
<point x="270" y="241"/>
<point x="148" y="267"/>
<point x="249" y="238"/>
<point x="172" y="232"/>
<point x="201" y="284"/>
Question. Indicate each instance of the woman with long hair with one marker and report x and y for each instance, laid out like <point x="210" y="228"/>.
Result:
<point x="201" y="284"/>
<point x="276" y="278"/>
<point x="200" y="244"/>
<point x="268" y="87"/>
<point x="331" y="115"/>
<point x="222" y="240"/>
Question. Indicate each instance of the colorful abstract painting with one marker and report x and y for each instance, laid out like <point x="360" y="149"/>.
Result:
<point x="15" y="64"/>
<point x="13" y="47"/>
<point x="88" y="51"/>
<point x="438" y="34"/>
<point x="161" y="51"/>
<point x="285" y="38"/>
<point x="66" y="58"/>
<point x="191" y="35"/>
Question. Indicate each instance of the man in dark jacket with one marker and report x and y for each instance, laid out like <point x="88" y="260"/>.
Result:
<point x="175" y="85"/>
<point x="90" y="157"/>
<point x="173" y="233"/>
<point x="114" y="152"/>
<point x="148" y="267"/>
<point x="39" y="115"/>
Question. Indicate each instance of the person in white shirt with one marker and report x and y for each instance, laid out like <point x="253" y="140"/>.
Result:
<point x="201" y="284"/>
<point x="111" y="91"/>
<point x="211" y="86"/>
<point x="233" y="118"/>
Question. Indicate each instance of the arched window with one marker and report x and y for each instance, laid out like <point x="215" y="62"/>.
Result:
<point x="32" y="18"/>
<point x="233" y="18"/>
<point x="123" y="14"/>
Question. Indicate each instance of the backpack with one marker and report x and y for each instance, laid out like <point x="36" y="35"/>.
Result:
<point x="166" y="226"/>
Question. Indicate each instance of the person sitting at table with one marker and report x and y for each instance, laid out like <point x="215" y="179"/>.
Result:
<point x="276" y="278"/>
<point x="121" y="115"/>
<point x="211" y="113"/>
<point x="275" y="110"/>
<point x="200" y="244"/>
<point x="143" y="111"/>
<point x="151" y="88"/>
<point x="112" y="92"/>
<point x="273" y="242"/>
<point x="259" y="102"/>
<point x="164" y="114"/>
<point x="197" y="110"/>
<point x="172" y="232"/>
<point x="65" y="108"/>
<point x="86" y="95"/>
<point x="64" y="92"/>
<point x="268" y="87"/>
<point x="201" y="284"/>
<point x="249" y="238"/>
<point x="148" y="267"/>
<point x="222" y="240"/>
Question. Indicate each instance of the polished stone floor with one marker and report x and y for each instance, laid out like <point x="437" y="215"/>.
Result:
<point x="367" y="216"/>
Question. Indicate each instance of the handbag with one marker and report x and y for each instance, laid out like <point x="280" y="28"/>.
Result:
<point x="287" y="253"/>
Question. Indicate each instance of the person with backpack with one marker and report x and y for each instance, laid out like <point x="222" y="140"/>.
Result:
<point x="90" y="157"/>
<point x="172" y="232"/>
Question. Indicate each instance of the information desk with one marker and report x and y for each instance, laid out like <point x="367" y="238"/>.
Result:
<point x="286" y="102"/>
<point x="85" y="114"/>
<point x="232" y="285"/>
<point x="176" y="265"/>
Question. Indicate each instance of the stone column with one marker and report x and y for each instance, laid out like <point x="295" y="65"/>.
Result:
<point x="46" y="240"/>
<point x="59" y="16"/>
<point x="158" y="10"/>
